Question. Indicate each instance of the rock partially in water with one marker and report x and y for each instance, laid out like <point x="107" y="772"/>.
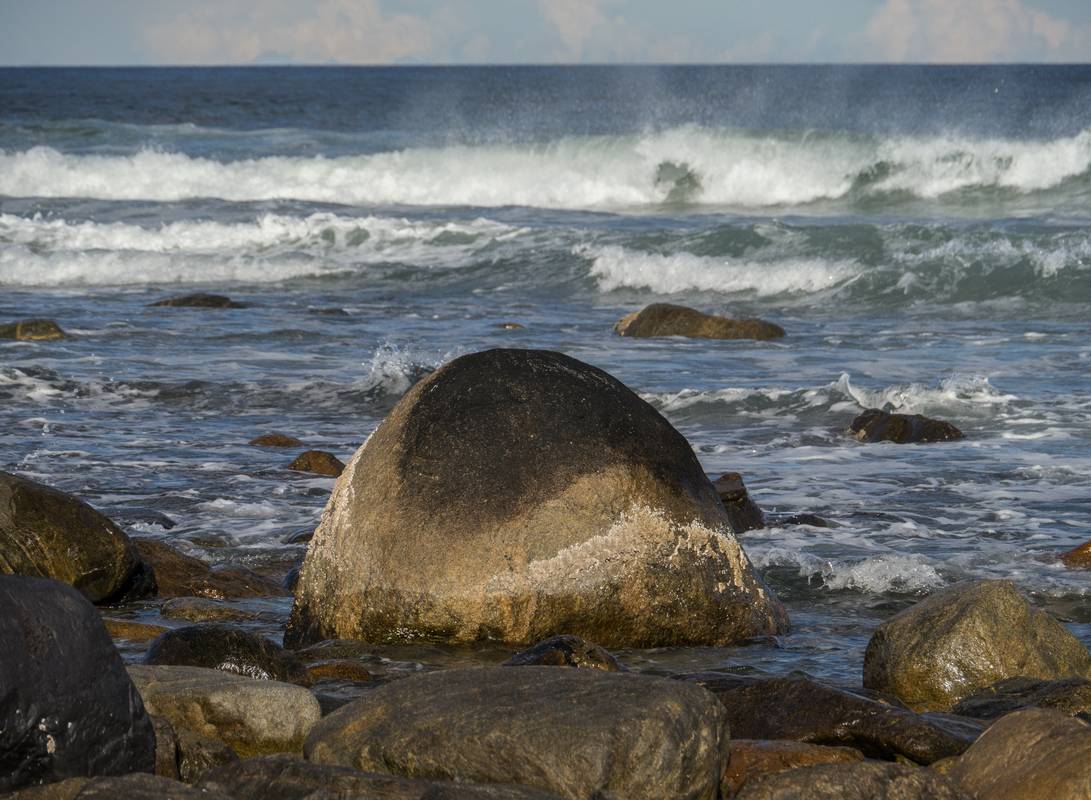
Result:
<point x="252" y="717"/>
<point x="46" y="533"/>
<point x="179" y="575"/>
<point x="751" y="758"/>
<point x="318" y="462"/>
<point x="578" y="733"/>
<point x="131" y="630"/>
<point x="1069" y="696"/>
<point x="137" y="786"/>
<point x="339" y="669"/>
<point x="198" y="754"/>
<point x="286" y="778"/>
<point x="32" y="330"/>
<point x="228" y="649"/>
<point x="566" y="651"/>
<point x="867" y="780"/>
<point x="664" y="319"/>
<point x="67" y="708"/>
<point x="519" y="494"/>
<point x="742" y="512"/>
<point x="805" y="710"/>
<point x="276" y="440"/>
<point x="199" y="300"/>
<point x="806" y="518"/>
<point x="509" y="326"/>
<point x="1078" y="557"/>
<point x="965" y="638"/>
<point x="202" y="609"/>
<point x="875" y="425"/>
<point x="1035" y="754"/>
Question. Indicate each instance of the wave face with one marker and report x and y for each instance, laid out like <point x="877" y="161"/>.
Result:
<point x="680" y="166"/>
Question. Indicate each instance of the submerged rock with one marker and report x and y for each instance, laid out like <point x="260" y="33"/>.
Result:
<point x="578" y="733"/>
<point x="566" y="651"/>
<point x="276" y="440"/>
<point x="202" y="609"/>
<point x="179" y="575"/>
<point x="1069" y="696"/>
<point x="967" y="637"/>
<point x="518" y="494"/>
<point x="32" y="330"/>
<point x="228" y="649"/>
<point x="664" y="319"/>
<point x="875" y="425"/>
<point x="751" y="758"/>
<point x="67" y="708"/>
<point x="199" y="300"/>
<point x="742" y="512"/>
<point x="509" y="326"/>
<point x="1078" y="557"/>
<point x="868" y="780"/>
<point x="319" y="462"/>
<point x="1029" y="755"/>
<point x="49" y="534"/>
<point x="132" y="630"/>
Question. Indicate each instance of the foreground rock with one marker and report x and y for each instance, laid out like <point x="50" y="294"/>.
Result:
<point x="577" y="733"/>
<point x="130" y="787"/>
<point x="179" y="575"/>
<point x="875" y="425"/>
<point x="286" y="778"/>
<point x="32" y="330"/>
<point x="804" y="710"/>
<point x="965" y="638"/>
<point x="1069" y="696"/>
<point x="566" y="651"/>
<point x="751" y="758"/>
<point x="1078" y="557"/>
<point x="67" y="708"/>
<point x="199" y="300"/>
<point x="228" y="649"/>
<point x="868" y="780"/>
<point x="275" y="440"/>
<point x="1029" y="755"/>
<point x="250" y="716"/>
<point x="49" y="534"/>
<point x="319" y="462"/>
<point x="520" y="494"/>
<point x="742" y="512"/>
<point x="664" y="319"/>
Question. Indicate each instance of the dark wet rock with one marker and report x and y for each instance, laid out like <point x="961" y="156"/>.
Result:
<point x="867" y="780"/>
<point x="1069" y="696"/>
<point x="578" y="733"/>
<point x="519" y="494"/>
<point x="228" y="649"/>
<point x="332" y="311"/>
<point x="253" y="717"/>
<point x="299" y="537"/>
<point x="805" y="710"/>
<point x="339" y="669"/>
<point x="202" y="609"/>
<point x="875" y="425"/>
<point x="965" y="638"/>
<point x="319" y="462"/>
<point x="509" y="326"/>
<point x="32" y="330"/>
<point x="67" y="708"/>
<point x="751" y="758"/>
<point x="135" y="515"/>
<point x="1078" y="557"/>
<point x="286" y="778"/>
<point x="137" y="786"/>
<point x="742" y="512"/>
<point x="276" y="440"/>
<point x="198" y="754"/>
<point x="566" y="651"/>
<point x="166" y="748"/>
<point x="664" y="319"/>
<point x="786" y="520"/>
<point x="132" y="630"/>
<point x="199" y="300"/>
<point x="1035" y="754"/>
<point x="291" y="580"/>
<point x="46" y="533"/>
<point x="179" y="575"/>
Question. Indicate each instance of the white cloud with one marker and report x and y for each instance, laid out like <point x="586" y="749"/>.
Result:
<point x="973" y="31"/>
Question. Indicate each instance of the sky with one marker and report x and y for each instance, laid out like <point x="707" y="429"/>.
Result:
<point x="138" y="32"/>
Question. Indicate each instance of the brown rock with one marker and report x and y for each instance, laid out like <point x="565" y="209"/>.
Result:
<point x="875" y="425"/>
<point x="137" y="786"/>
<point x="198" y="754"/>
<point x="132" y="631"/>
<point x="32" y="330"/>
<point x="664" y="319"/>
<point x="1034" y="754"/>
<point x="752" y="758"/>
<point x="743" y="513"/>
<point x="319" y="462"/>
<point x="166" y="748"/>
<point x="965" y="638"/>
<point x="179" y="575"/>
<point x="566" y="651"/>
<point x="867" y="780"/>
<point x="1069" y="696"/>
<point x="340" y="669"/>
<point x="276" y="440"/>
<point x="199" y="300"/>
<point x="202" y="609"/>
<point x="1078" y="557"/>
<point x="518" y="494"/>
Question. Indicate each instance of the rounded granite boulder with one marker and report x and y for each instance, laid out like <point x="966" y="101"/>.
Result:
<point x="520" y="494"/>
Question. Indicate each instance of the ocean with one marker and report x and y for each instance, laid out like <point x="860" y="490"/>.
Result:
<point x="922" y="233"/>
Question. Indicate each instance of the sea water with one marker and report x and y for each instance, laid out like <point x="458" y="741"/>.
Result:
<point x="923" y="235"/>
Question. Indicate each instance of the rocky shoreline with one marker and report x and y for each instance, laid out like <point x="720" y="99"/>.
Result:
<point x="523" y="514"/>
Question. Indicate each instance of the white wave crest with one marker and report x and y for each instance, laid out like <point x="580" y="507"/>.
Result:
<point x="959" y="394"/>
<point x="889" y="572"/>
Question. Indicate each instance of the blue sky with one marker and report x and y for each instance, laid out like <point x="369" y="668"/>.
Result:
<point x="66" y="32"/>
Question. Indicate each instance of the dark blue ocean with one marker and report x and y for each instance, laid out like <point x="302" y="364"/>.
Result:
<point x="923" y="234"/>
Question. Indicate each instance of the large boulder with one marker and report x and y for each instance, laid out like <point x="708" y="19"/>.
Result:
<point x="32" y="330"/>
<point x="1070" y="696"/>
<point x="967" y="637"/>
<point x="67" y="708"/>
<point x="46" y="533"/>
<point x="577" y="733"/>
<point x="520" y="494"/>
<point x="229" y="649"/>
<point x="664" y="319"/>
<point x="868" y="780"/>
<point x="1029" y="755"/>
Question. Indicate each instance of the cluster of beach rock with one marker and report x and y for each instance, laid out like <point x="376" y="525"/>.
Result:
<point x="526" y="499"/>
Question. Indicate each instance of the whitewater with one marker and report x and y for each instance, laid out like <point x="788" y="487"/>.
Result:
<point x="922" y="234"/>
